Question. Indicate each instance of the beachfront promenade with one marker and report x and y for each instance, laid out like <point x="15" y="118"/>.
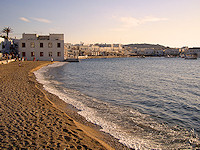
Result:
<point x="32" y="118"/>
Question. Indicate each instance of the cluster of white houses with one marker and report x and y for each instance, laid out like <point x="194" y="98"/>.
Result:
<point x="93" y="50"/>
<point x="120" y="50"/>
<point x="34" y="47"/>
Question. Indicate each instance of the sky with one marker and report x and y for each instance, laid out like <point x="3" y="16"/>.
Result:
<point x="173" y="23"/>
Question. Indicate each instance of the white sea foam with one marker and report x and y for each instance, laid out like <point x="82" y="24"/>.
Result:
<point x="95" y="111"/>
<point x="40" y="77"/>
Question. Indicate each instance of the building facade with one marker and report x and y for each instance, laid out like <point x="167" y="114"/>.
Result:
<point x="34" y="47"/>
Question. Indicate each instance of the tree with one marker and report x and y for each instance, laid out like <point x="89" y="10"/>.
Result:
<point x="7" y="30"/>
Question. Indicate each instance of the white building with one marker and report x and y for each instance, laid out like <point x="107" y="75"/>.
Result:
<point x="5" y="46"/>
<point x="9" y="46"/>
<point x="1" y="47"/>
<point x="95" y="50"/>
<point x="193" y="51"/>
<point x="32" y="46"/>
<point x="70" y="51"/>
<point x="110" y="49"/>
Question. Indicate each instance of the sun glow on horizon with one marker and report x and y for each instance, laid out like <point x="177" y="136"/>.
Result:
<point x="123" y="21"/>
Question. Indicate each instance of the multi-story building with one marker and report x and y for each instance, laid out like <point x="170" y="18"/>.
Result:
<point x="95" y="50"/>
<point x="71" y="51"/>
<point x="34" y="47"/>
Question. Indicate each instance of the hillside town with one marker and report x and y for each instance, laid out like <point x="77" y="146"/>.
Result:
<point x="52" y="47"/>
<point x="119" y="50"/>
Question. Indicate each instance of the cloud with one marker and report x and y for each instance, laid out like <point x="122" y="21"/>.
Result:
<point x="118" y="29"/>
<point x="153" y="19"/>
<point x="42" y="20"/>
<point x="35" y="19"/>
<point x="129" y="22"/>
<point x="24" y="19"/>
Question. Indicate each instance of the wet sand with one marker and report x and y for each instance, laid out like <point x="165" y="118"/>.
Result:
<point x="32" y="118"/>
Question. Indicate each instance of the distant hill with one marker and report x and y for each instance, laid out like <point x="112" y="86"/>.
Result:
<point x="155" y="46"/>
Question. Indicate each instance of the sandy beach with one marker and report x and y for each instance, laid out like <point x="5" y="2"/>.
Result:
<point x="32" y="118"/>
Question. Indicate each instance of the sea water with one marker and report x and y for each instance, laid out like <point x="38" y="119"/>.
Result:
<point x="151" y="103"/>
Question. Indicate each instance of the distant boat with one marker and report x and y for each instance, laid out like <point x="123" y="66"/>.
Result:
<point x="72" y="60"/>
<point x="192" y="56"/>
<point x="141" y="56"/>
<point x="170" y="56"/>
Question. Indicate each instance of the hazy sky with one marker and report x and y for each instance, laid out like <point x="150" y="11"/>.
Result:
<point x="173" y="23"/>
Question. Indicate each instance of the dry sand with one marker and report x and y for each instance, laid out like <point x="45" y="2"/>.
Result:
<point x="32" y="118"/>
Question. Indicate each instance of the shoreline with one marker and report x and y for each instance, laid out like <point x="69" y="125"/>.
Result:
<point x="72" y="132"/>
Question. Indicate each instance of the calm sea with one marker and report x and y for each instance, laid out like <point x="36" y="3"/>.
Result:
<point x="151" y="103"/>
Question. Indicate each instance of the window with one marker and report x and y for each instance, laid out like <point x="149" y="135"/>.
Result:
<point x="58" y="44"/>
<point x="23" y="54"/>
<point x="32" y="44"/>
<point x="32" y="54"/>
<point x="41" y="44"/>
<point x="23" y="45"/>
<point x="50" y="45"/>
<point x="58" y="54"/>
<point x="41" y="54"/>
<point x="50" y="54"/>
